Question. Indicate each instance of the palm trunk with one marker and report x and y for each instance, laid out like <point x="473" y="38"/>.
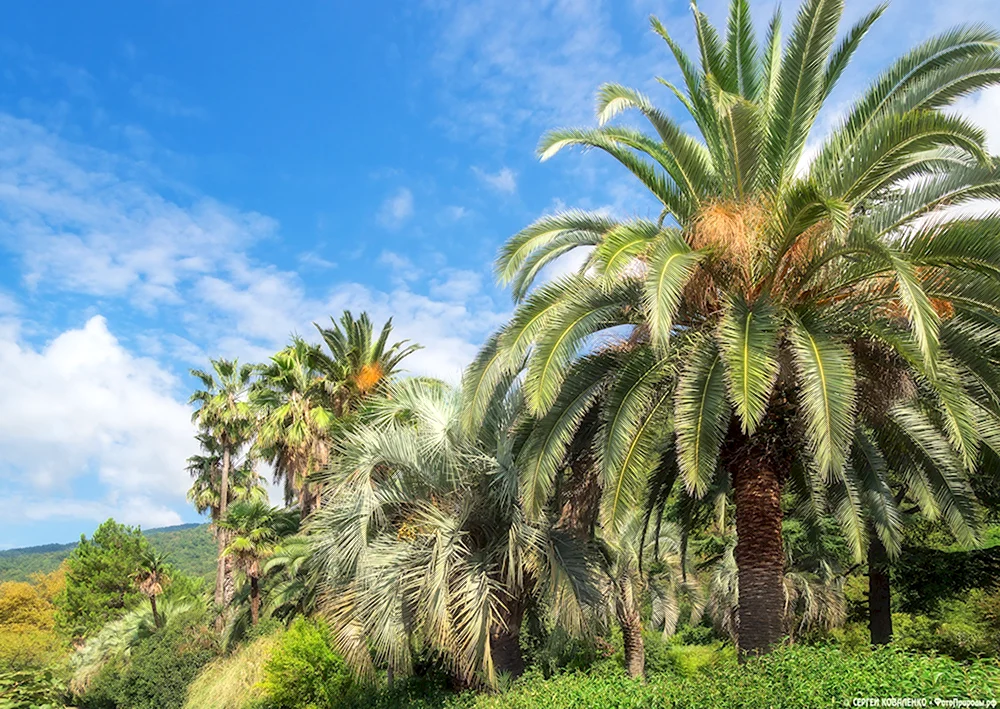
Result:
<point x="221" y="573"/>
<point x="505" y="642"/>
<point x="630" y="622"/>
<point x="760" y="556"/>
<point x="879" y="598"/>
<point x="254" y="600"/>
<point x="156" y="616"/>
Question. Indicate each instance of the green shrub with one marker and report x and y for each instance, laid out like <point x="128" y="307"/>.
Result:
<point x="157" y="673"/>
<point x="37" y="689"/>
<point x="793" y="677"/>
<point x="304" y="672"/>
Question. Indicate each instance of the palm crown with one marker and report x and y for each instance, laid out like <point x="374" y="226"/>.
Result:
<point x="777" y="304"/>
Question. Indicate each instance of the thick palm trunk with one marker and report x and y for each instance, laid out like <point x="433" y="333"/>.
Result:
<point x="156" y="616"/>
<point x="630" y="622"/>
<point x="760" y="556"/>
<point x="879" y="598"/>
<point x="505" y="642"/>
<point x="221" y="537"/>
<point x="254" y="600"/>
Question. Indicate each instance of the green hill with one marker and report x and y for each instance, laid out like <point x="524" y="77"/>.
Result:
<point x="190" y="547"/>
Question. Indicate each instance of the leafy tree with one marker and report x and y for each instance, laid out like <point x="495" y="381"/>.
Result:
<point x="224" y="415"/>
<point x="99" y="585"/>
<point x="152" y="577"/>
<point x="255" y="531"/>
<point x="785" y="320"/>
<point x="28" y="640"/>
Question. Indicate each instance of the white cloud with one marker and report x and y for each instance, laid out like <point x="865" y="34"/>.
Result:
<point x="87" y="221"/>
<point x="983" y="109"/>
<point x="400" y="266"/>
<point x="396" y="210"/>
<point x="82" y="405"/>
<point x="503" y="181"/>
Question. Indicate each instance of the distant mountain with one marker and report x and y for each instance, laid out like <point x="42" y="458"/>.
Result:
<point x="190" y="548"/>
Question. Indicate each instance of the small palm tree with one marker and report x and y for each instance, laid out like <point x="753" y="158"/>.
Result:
<point x="774" y="297"/>
<point x="224" y="415"/>
<point x="425" y="539"/>
<point x="206" y="470"/>
<point x="255" y="530"/>
<point x="152" y="578"/>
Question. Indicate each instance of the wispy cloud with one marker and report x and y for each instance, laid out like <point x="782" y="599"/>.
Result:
<point x="396" y="210"/>
<point x="159" y="94"/>
<point x="504" y="180"/>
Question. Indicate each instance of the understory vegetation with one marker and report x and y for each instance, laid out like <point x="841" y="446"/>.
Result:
<point x="747" y="454"/>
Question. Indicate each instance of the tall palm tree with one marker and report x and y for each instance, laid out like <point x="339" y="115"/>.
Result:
<point x="223" y="413"/>
<point x="152" y="578"/>
<point x="355" y="365"/>
<point x="206" y="472"/>
<point x="424" y="538"/>
<point x="255" y="530"/>
<point x="296" y="419"/>
<point x="754" y="307"/>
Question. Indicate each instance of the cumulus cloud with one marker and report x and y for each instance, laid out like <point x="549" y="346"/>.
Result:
<point x="82" y="406"/>
<point x="396" y="210"/>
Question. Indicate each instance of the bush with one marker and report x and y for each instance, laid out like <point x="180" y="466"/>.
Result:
<point x="304" y="672"/>
<point x="34" y="690"/>
<point x="157" y="673"/>
<point x="792" y="677"/>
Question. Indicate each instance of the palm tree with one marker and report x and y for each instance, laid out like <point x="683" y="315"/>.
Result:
<point x="224" y="415"/>
<point x="358" y="366"/>
<point x="295" y="420"/>
<point x="255" y="530"/>
<point x="747" y="317"/>
<point x="152" y="577"/>
<point x="424" y="539"/>
<point x="206" y="471"/>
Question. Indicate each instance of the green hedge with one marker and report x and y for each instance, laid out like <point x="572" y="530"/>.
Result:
<point x="793" y="677"/>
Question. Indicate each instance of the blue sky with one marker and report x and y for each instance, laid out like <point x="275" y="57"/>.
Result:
<point x="181" y="180"/>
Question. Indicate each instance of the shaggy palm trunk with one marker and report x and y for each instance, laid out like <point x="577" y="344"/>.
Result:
<point x="254" y="600"/>
<point x="505" y="642"/>
<point x="221" y="570"/>
<point x="630" y="622"/>
<point x="760" y="556"/>
<point x="156" y="616"/>
<point x="879" y="599"/>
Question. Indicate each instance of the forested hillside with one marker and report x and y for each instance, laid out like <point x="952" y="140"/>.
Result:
<point x="189" y="547"/>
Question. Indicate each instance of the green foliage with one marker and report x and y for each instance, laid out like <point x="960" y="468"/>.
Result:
<point x="304" y="672"/>
<point x="791" y="677"/>
<point x="38" y="689"/>
<point x="157" y="673"/>
<point x="190" y="547"/>
<point x="99" y="583"/>
<point x="925" y="577"/>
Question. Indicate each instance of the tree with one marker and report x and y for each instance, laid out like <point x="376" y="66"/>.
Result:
<point x="99" y="584"/>
<point x="224" y="415"/>
<point x="255" y="530"/>
<point x="774" y="296"/>
<point x="296" y="418"/>
<point x="425" y="539"/>
<point x="152" y="577"/>
<point x="356" y="366"/>
<point x="206" y="471"/>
